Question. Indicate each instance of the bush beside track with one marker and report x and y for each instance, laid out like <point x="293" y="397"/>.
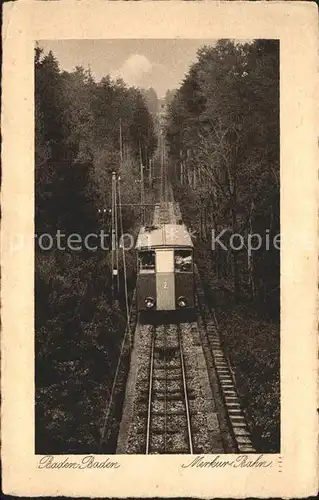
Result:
<point x="79" y="333"/>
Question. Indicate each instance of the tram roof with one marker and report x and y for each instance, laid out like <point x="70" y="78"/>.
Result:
<point x="167" y="235"/>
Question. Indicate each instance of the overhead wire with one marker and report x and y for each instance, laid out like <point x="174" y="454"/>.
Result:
<point x="127" y="330"/>
<point x="123" y="255"/>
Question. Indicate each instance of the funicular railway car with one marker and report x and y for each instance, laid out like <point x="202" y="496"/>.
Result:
<point x="165" y="279"/>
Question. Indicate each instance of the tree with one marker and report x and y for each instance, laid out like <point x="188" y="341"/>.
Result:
<point x="84" y="130"/>
<point x="222" y="135"/>
<point x="78" y="332"/>
<point x="151" y="100"/>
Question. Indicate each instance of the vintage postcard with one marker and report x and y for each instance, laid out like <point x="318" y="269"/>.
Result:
<point x="159" y="249"/>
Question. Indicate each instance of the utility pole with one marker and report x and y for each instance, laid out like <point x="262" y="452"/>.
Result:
<point x="113" y="234"/>
<point x="114" y="231"/>
<point x="150" y="172"/>
<point x="162" y="166"/>
<point x="121" y="143"/>
<point x="142" y="195"/>
<point x="181" y="165"/>
<point x="116" y="237"/>
<point x="142" y="189"/>
<point x="165" y="171"/>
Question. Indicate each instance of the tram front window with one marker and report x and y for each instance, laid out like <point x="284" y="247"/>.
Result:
<point x="147" y="262"/>
<point x="183" y="261"/>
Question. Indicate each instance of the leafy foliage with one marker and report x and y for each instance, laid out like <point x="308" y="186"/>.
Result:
<point x="223" y="134"/>
<point x="78" y="124"/>
<point x="84" y="131"/>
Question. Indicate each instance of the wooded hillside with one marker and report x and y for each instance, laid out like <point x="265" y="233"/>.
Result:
<point x="79" y="127"/>
<point x="223" y="133"/>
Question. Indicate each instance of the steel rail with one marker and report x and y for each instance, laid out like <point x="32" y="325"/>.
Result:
<point x="150" y="390"/>
<point x="165" y="394"/>
<point x="189" y="429"/>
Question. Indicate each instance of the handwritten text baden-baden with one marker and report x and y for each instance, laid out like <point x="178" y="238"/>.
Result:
<point x="88" y="462"/>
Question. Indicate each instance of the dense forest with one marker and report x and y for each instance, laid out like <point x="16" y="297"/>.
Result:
<point x="223" y="138"/>
<point x="79" y="127"/>
<point x="223" y="133"/>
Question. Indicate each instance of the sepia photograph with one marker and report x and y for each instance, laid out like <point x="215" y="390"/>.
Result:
<point x="157" y="249"/>
<point x="159" y="253"/>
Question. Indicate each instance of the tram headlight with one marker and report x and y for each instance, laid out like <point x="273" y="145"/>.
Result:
<point x="181" y="302"/>
<point x="149" y="302"/>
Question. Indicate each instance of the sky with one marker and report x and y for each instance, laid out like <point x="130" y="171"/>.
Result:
<point x="161" y="64"/>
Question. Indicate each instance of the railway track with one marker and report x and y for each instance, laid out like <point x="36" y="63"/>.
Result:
<point x="181" y="396"/>
<point x="171" y="407"/>
<point x="169" y="426"/>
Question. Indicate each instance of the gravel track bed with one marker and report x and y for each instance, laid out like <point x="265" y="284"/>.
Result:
<point x="167" y="380"/>
<point x="175" y="420"/>
<point x="198" y="406"/>
<point x="136" y="439"/>
<point x="171" y="387"/>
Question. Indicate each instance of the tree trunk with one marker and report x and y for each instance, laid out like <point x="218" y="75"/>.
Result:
<point x="205" y="223"/>
<point x="235" y="257"/>
<point x="231" y="173"/>
<point x="250" y="260"/>
<point x="216" y="251"/>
